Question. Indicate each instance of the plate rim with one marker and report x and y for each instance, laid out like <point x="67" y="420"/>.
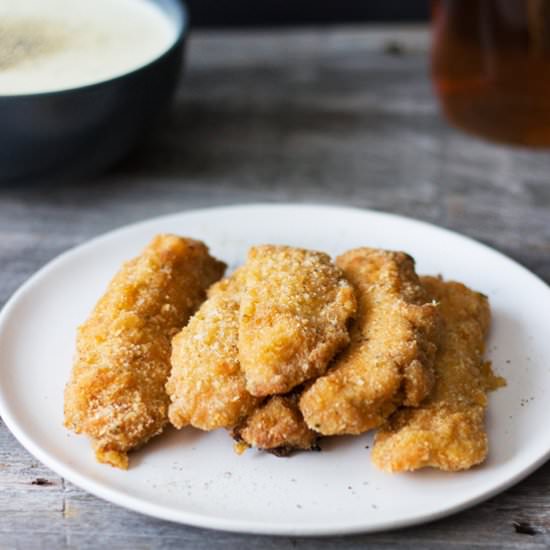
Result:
<point x="168" y="513"/>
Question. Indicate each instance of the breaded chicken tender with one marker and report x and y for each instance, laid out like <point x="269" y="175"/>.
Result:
<point x="207" y="386"/>
<point x="389" y="361"/>
<point x="116" y="393"/>
<point x="277" y="426"/>
<point x="448" y="431"/>
<point x="293" y="318"/>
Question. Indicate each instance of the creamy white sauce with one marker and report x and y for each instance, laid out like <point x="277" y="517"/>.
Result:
<point x="50" y="45"/>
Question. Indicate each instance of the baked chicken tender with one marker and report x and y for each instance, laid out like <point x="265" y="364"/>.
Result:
<point x="389" y="361"/>
<point x="448" y="431"/>
<point x="277" y="426"/>
<point x="207" y="386"/>
<point x="116" y="393"/>
<point x="293" y="317"/>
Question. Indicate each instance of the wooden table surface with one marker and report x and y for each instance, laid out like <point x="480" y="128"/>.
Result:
<point x="340" y="116"/>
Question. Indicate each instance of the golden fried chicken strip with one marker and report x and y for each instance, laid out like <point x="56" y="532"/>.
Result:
<point x="393" y="344"/>
<point x="116" y="392"/>
<point x="293" y="316"/>
<point x="448" y="431"/>
<point x="277" y="426"/>
<point x="207" y="386"/>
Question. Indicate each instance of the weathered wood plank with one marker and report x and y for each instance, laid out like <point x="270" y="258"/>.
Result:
<point x="329" y="116"/>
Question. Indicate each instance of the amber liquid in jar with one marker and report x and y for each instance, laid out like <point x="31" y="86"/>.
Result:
<point x="491" y="67"/>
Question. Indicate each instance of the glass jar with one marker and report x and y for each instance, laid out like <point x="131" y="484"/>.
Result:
<point x="491" y="67"/>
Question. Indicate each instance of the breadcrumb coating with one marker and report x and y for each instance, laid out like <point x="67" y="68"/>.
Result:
<point x="294" y="311"/>
<point x="389" y="361"/>
<point x="207" y="386"/>
<point x="277" y="426"/>
<point x="448" y="431"/>
<point x="116" y="392"/>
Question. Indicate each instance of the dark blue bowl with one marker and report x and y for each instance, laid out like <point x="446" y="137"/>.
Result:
<point x="82" y="131"/>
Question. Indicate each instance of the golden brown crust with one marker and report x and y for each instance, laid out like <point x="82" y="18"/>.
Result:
<point x="278" y="426"/>
<point x="116" y="392"/>
<point x="447" y="431"/>
<point x="393" y="344"/>
<point x="293" y="316"/>
<point x="206" y="386"/>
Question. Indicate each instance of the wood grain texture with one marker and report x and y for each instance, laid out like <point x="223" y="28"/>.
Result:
<point x="343" y="116"/>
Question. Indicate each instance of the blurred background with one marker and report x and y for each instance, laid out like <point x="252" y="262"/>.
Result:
<point x="238" y="13"/>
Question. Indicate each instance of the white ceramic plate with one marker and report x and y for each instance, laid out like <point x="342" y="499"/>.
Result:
<point x="196" y="478"/>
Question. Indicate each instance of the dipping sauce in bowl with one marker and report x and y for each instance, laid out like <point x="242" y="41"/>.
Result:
<point x="50" y="45"/>
<point x="82" y="80"/>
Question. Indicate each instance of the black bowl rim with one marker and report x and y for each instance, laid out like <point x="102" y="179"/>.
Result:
<point x="182" y="31"/>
